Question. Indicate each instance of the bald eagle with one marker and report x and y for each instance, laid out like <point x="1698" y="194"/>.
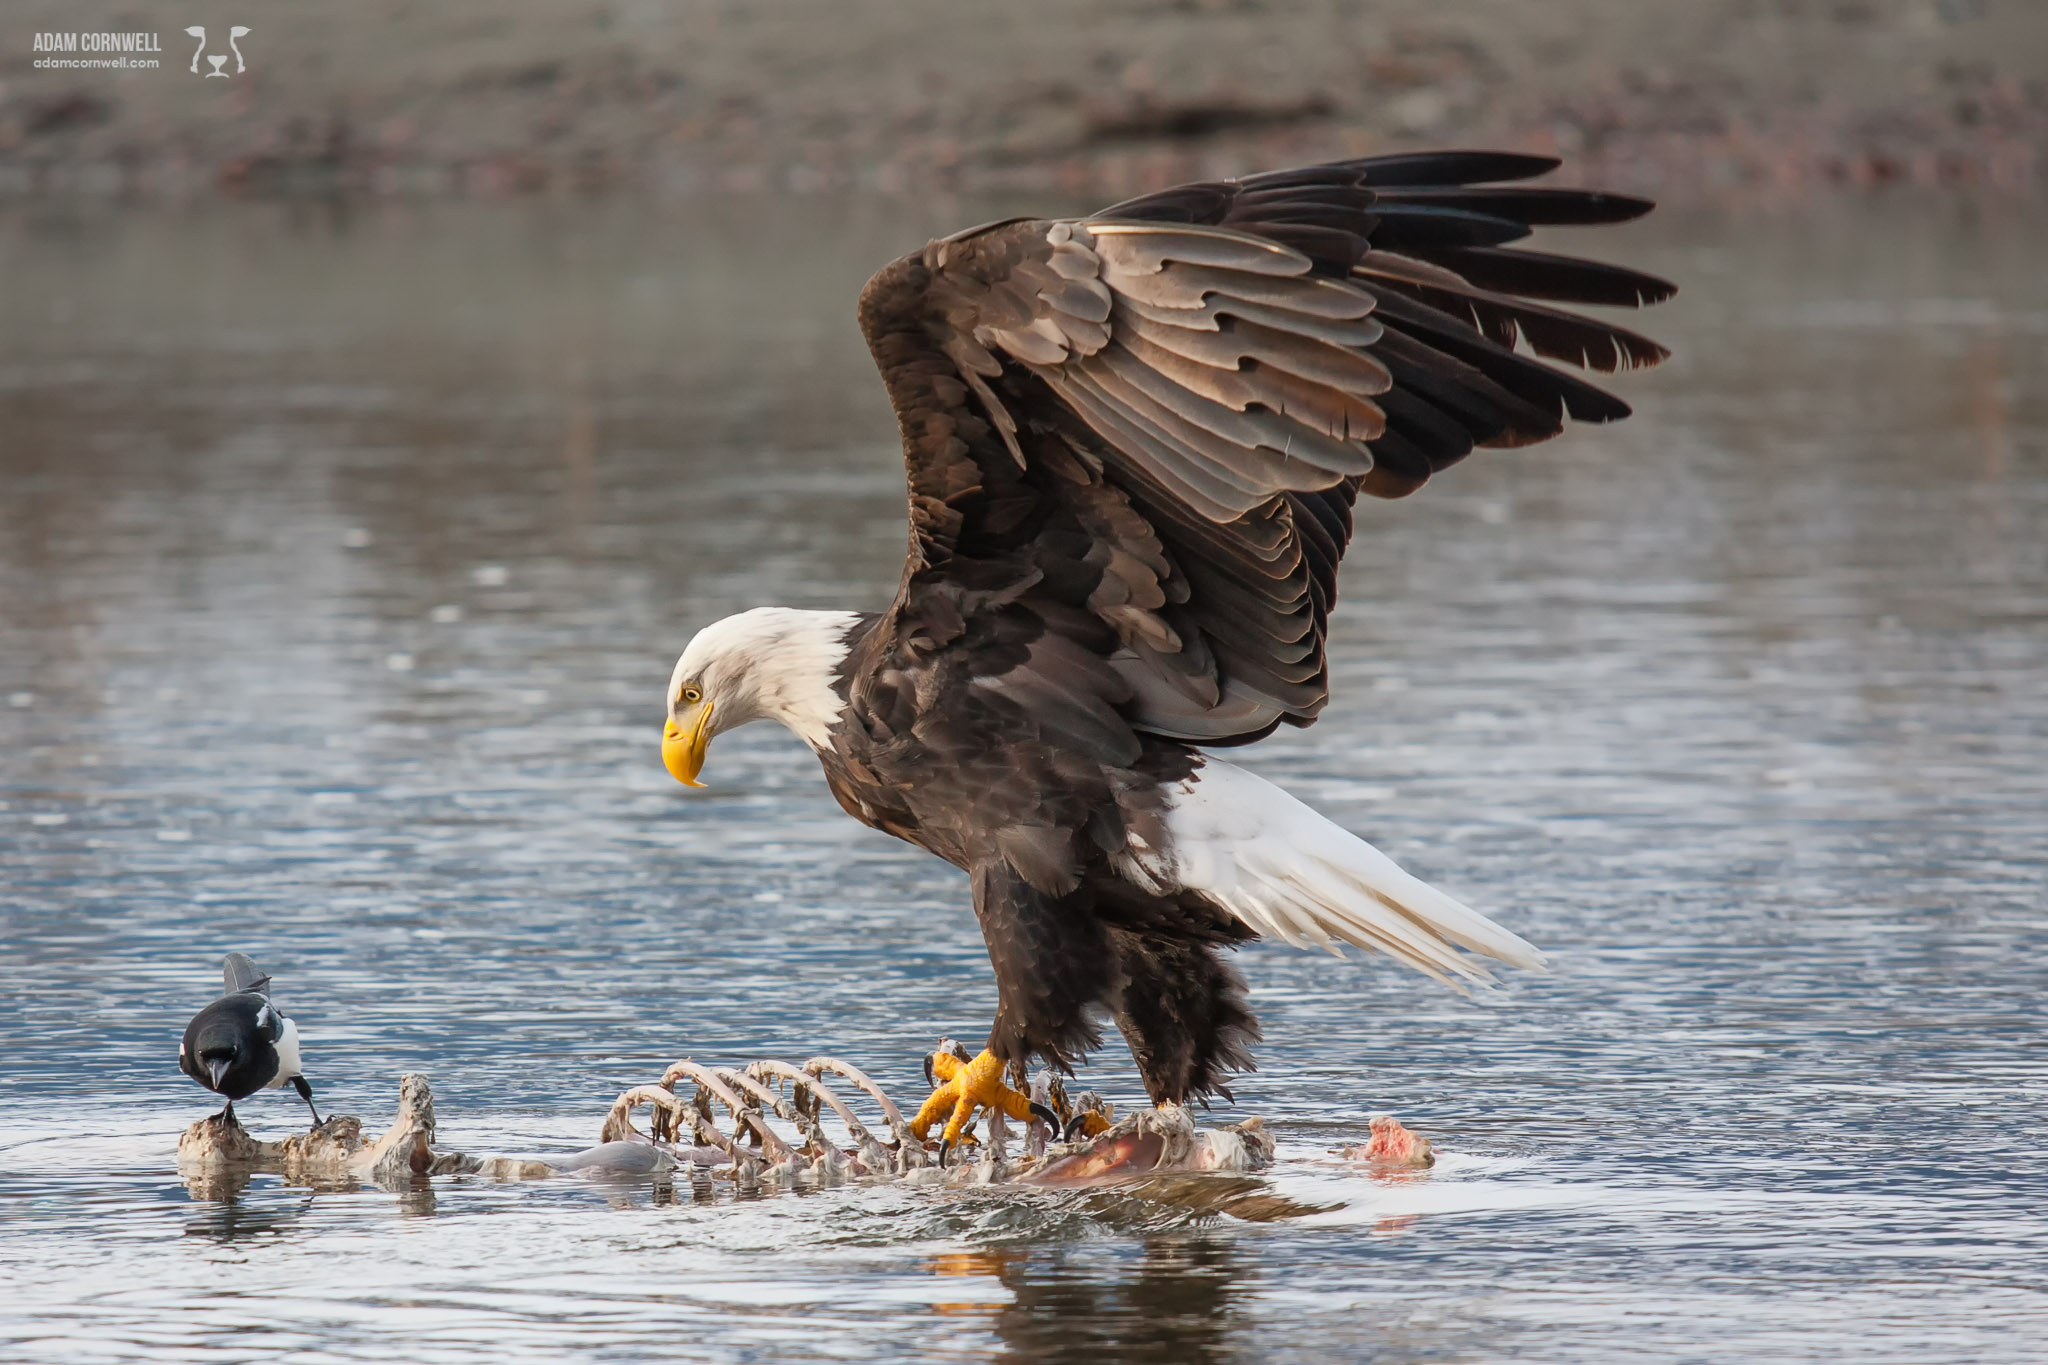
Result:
<point x="1133" y="443"/>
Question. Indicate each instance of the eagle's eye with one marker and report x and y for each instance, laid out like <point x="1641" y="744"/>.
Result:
<point x="693" y="695"/>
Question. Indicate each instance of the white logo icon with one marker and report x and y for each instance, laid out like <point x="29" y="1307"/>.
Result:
<point x="218" y="60"/>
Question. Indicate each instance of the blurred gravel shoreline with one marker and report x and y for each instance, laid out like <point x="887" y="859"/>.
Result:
<point x="1685" y="98"/>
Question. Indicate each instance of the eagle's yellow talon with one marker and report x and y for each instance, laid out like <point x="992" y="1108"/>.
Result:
<point x="966" y="1088"/>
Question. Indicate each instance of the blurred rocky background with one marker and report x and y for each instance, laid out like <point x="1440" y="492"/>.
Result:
<point x="498" y="96"/>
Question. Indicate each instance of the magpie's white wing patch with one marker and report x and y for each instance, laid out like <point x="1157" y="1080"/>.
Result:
<point x="287" y="1050"/>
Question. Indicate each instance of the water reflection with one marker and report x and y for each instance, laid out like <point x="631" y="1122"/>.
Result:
<point x="1169" y="1298"/>
<point x="228" y="1217"/>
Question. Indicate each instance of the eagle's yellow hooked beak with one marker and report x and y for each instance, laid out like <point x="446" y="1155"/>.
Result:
<point x="682" y="751"/>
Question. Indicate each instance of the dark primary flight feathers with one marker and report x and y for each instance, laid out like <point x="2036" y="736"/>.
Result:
<point x="1154" y="421"/>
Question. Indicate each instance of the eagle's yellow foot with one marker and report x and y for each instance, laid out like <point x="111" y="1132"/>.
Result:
<point x="965" y="1088"/>
<point x="1087" y="1124"/>
<point x="1091" y="1116"/>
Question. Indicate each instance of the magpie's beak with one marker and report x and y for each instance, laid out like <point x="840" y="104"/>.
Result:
<point x="216" y="1068"/>
<point x="682" y="750"/>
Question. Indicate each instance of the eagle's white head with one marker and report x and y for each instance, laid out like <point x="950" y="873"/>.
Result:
<point x="771" y="663"/>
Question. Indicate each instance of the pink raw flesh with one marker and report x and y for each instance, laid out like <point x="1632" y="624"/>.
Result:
<point x="1392" y="1146"/>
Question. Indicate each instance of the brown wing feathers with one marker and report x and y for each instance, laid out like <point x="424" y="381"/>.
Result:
<point x="1410" y="227"/>
<point x="1216" y="371"/>
<point x="1218" y="398"/>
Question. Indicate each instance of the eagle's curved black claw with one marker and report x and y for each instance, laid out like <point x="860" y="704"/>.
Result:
<point x="1045" y="1115"/>
<point x="947" y="1047"/>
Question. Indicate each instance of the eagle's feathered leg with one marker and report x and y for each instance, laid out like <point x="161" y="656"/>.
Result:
<point x="1183" y="1010"/>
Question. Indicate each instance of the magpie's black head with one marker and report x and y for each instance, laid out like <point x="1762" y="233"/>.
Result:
<point x="230" y="1046"/>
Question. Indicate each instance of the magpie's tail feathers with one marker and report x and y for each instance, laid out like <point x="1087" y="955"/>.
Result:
<point x="241" y="976"/>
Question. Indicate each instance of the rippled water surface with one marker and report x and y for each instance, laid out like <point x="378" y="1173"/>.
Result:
<point x="343" y="557"/>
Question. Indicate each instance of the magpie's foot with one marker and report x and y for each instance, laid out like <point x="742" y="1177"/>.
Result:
<point x="306" y="1094"/>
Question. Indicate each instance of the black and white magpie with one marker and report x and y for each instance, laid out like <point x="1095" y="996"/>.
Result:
<point x="240" y="1044"/>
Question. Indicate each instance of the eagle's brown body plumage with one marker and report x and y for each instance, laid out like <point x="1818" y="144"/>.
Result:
<point x="1133" y="445"/>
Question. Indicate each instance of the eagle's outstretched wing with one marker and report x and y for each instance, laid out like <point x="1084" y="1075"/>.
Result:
<point x="1150" y="424"/>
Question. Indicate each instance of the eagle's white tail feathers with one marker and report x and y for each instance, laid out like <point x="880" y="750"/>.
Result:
<point x="1288" y="872"/>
